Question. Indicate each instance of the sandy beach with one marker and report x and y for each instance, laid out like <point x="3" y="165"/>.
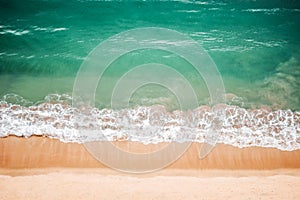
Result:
<point x="148" y="79"/>
<point x="43" y="168"/>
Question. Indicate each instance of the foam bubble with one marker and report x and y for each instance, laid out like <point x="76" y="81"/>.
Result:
<point x="55" y="118"/>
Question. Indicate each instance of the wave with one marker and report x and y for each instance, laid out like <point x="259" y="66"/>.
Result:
<point x="271" y="10"/>
<point x="56" y="118"/>
<point x="14" y="32"/>
<point x="262" y="10"/>
<point x="8" y="29"/>
<point x="49" y="29"/>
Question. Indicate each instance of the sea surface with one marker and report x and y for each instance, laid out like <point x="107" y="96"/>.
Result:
<point x="254" y="44"/>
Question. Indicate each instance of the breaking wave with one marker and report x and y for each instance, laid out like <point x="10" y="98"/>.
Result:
<point x="56" y="118"/>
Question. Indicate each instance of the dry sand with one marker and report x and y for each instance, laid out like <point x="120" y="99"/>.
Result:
<point x="43" y="168"/>
<point x="96" y="185"/>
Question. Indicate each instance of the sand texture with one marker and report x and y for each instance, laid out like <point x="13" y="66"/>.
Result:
<point x="43" y="168"/>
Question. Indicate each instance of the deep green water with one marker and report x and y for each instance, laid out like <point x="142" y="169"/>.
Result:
<point x="255" y="44"/>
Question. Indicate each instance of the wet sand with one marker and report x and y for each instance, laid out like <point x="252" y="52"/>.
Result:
<point x="43" y="152"/>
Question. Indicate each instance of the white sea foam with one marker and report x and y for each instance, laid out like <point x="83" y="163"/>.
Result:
<point x="214" y="9"/>
<point x="55" y="118"/>
<point x="48" y="29"/>
<point x="263" y="10"/>
<point x="59" y="29"/>
<point x="189" y="11"/>
<point x="40" y="29"/>
<point x="14" y="32"/>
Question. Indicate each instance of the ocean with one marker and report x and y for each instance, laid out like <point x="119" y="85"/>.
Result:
<point x="254" y="44"/>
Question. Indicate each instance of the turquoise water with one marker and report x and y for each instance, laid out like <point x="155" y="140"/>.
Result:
<point x="255" y="44"/>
